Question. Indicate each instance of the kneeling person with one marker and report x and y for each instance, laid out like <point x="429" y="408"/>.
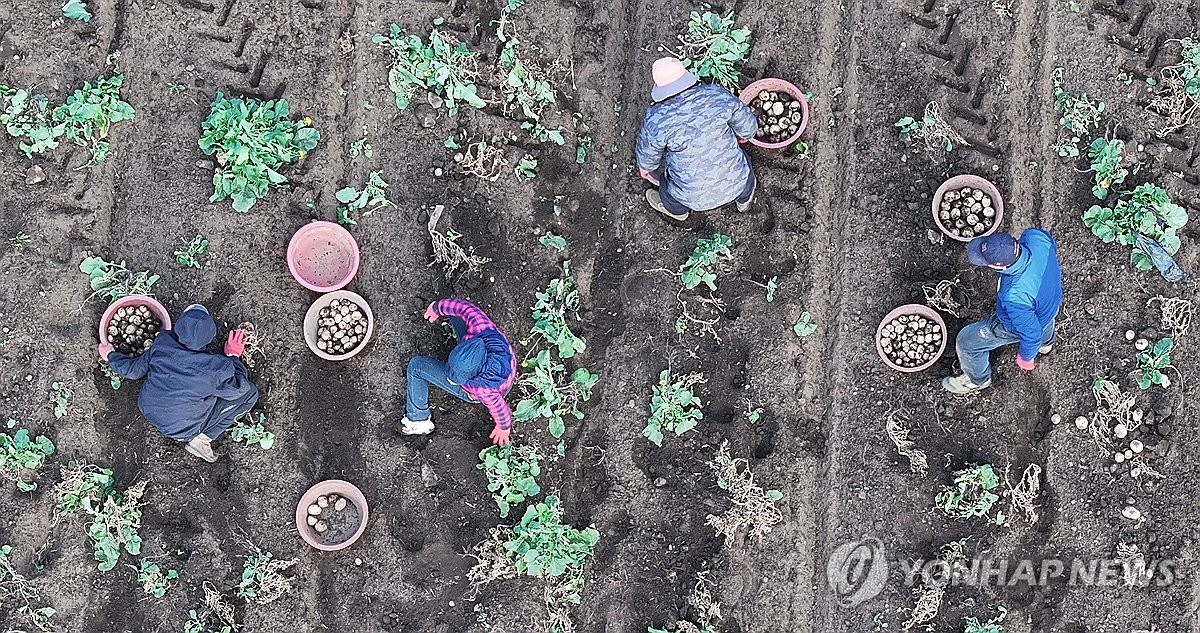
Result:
<point x="190" y="394"/>
<point x="481" y="369"/>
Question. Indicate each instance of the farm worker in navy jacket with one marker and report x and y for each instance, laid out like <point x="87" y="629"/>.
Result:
<point x="1026" y="305"/>
<point x="481" y="368"/>
<point x="688" y="144"/>
<point x="190" y="395"/>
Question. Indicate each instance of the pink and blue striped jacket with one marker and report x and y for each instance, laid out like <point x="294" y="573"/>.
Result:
<point x="499" y="365"/>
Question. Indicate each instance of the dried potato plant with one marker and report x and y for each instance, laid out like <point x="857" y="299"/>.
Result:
<point x="753" y="507"/>
<point x="1133" y="565"/>
<point x="491" y="559"/>
<point x="20" y="597"/>
<point x="448" y="252"/>
<point x="1023" y="496"/>
<point x="953" y="557"/>
<point x="1112" y="407"/>
<point x="897" y="431"/>
<point x="1176" y="314"/>
<point x="482" y="160"/>
<point x="941" y="296"/>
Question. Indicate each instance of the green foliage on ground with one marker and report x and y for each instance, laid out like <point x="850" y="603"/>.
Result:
<point x="700" y="267"/>
<point x="188" y="256"/>
<point x="252" y="430"/>
<point x="1148" y="210"/>
<point x="550" y="313"/>
<point x="372" y="197"/>
<point x="1105" y="156"/>
<point x="674" y="407"/>
<point x="714" y="48"/>
<point x="251" y="140"/>
<point x="512" y="474"/>
<point x="443" y="66"/>
<point x="1153" y="363"/>
<point x="113" y="281"/>
<point x="970" y="495"/>
<point x="542" y="546"/>
<point x="550" y="393"/>
<point x="84" y="119"/>
<point x="21" y="454"/>
<point x="154" y="581"/>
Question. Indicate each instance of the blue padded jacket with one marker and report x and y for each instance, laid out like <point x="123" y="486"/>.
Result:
<point x="694" y="136"/>
<point x="1030" y="291"/>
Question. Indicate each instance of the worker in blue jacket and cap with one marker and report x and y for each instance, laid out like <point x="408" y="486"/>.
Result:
<point x="1026" y="305"/>
<point x="688" y="146"/>
<point x="190" y="394"/>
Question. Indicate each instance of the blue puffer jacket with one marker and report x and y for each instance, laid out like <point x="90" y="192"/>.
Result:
<point x="185" y="384"/>
<point x="693" y="136"/>
<point x="1030" y="291"/>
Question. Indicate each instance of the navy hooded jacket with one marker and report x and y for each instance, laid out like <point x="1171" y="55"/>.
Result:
<point x="185" y="385"/>
<point x="1030" y="291"/>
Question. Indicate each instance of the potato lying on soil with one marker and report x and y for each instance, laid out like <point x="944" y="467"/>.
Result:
<point x="132" y="329"/>
<point x="779" y="115"/>
<point x="341" y="327"/>
<point x="911" y="340"/>
<point x="967" y="212"/>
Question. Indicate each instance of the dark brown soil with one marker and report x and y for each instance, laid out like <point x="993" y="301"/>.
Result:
<point x="843" y="229"/>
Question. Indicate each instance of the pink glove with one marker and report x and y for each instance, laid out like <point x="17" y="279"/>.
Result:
<point x="236" y="343"/>
<point x="431" y="315"/>
<point x="104" y="349"/>
<point x="741" y="141"/>
<point x="645" y="174"/>
<point x="500" y="436"/>
<point x="1027" y="365"/>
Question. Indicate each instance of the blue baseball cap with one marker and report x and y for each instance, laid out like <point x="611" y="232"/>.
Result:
<point x="997" y="249"/>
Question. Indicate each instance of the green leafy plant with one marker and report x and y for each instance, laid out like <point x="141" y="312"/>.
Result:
<point x="21" y="457"/>
<point x="76" y="10"/>
<point x="527" y="90"/>
<point x="1148" y="211"/>
<point x="60" y="397"/>
<point x="90" y="111"/>
<point x="550" y="312"/>
<point x="372" y="198"/>
<point x="543" y="546"/>
<point x="970" y="495"/>
<point x="113" y="281"/>
<point x="115" y="524"/>
<point x="549" y="393"/>
<point x="252" y="139"/>
<point x="27" y="116"/>
<point x="154" y="581"/>
<point x="512" y="474"/>
<point x="1105" y="155"/>
<point x="753" y="414"/>
<point x="196" y="624"/>
<point x="714" y="48"/>
<point x="526" y="168"/>
<point x="772" y="288"/>
<point x="674" y="407"/>
<point x="444" y="66"/>
<point x="1153" y="363"/>
<point x="805" y="326"/>
<point x="252" y="431"/>
<point x="263" y="581"/>
<point x="187" y="256"/>
<point x="1079" y="116"/>
<point x="83" y="487"/>
<point x="974" y="625"/>
<point x="550" y="240"/>
<point x="21" y="597"/>
<point x="20" y="239"/>
<point x="698" y="269"/>
<point x="114" y="379"/>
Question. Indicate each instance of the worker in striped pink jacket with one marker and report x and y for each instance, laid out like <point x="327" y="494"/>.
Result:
<point x="481" y="369"/>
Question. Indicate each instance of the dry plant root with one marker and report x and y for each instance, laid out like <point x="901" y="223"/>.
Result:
<point x="897" y="431"/>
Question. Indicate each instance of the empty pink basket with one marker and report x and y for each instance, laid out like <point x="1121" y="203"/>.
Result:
<point x="323" y="256"/>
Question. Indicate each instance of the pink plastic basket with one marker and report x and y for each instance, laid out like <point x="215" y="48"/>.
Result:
<point x="322" y="256"/>
<point x="911" y="308"/>
<point x="156" y="308"/>
<point x="968" y="180"/>
<point x="327" y="487"/>
<point x="751" y="91"/>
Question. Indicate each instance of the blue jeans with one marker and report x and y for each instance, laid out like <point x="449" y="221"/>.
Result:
<point x="424" y="371"/>
<point x="675" y="206"/>
<point x="976" y="341"/>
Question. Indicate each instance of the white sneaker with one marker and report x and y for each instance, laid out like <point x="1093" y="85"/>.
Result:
<point x="416" y="427"/>
<point x="201" y="446"/>
<point x="1046" y="349"/>
<point x="962" y="385"/>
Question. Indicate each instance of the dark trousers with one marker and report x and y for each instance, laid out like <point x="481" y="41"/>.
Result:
<point x="227" y="411"/>
<point x="675" y="206"/>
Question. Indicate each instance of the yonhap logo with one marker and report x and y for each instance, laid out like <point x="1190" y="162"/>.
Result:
<point x="857" y="571"/>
